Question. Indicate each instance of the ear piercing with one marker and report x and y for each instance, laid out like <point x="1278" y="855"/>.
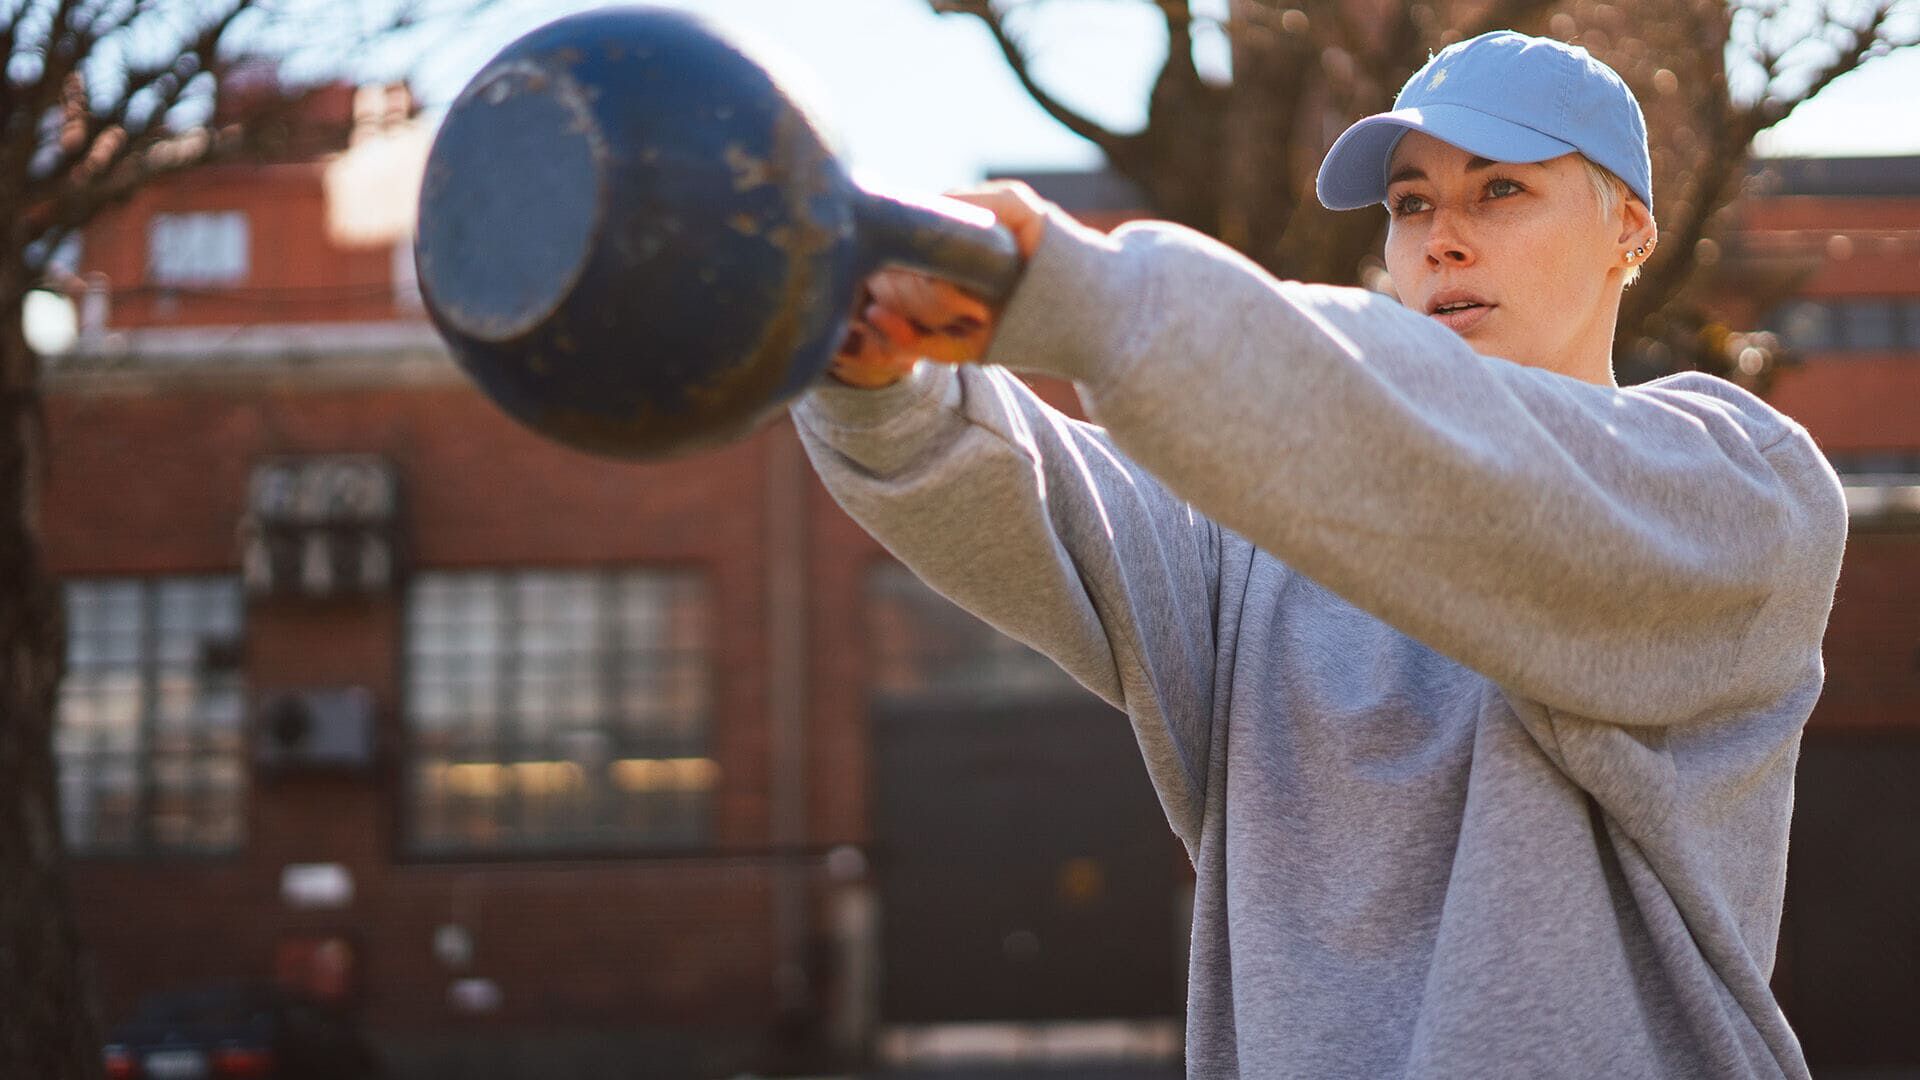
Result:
<point x="1640" y="252"/>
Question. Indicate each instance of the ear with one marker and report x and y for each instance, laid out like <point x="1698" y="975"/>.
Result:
<point x="1637" y="227"/>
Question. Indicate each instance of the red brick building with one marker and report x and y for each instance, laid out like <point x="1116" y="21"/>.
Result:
<point x="543" y="764"/>
<point x="1846" y="232"/>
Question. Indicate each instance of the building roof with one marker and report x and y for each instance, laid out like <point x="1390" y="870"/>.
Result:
<point x="1098" y="190"/>
<point x="1102" y="190"/>
<point x="1840" y="177"/>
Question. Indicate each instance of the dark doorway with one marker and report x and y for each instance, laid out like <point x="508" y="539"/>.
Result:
<point x="1850" y="939"/>
<point x="1025" y="869"/>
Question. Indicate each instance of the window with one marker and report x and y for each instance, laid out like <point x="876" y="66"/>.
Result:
<point x="1876" y="462"/>
<point x="1807" y="325"/>
<point x="1869" y="325"/>
<point x="558" y="710"/>
<point x="1855" y="324"/>
<point x="149" y="736"/>
<point x="208" y="248"/>
<point x="929" y="650"/>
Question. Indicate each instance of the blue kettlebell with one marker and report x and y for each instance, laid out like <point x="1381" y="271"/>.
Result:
<point x="635" y="243"/>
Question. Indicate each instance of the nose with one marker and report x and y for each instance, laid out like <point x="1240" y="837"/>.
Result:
<point x="1446" y="243"/>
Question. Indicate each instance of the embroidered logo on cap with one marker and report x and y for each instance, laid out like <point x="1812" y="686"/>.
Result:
<point x="1438" y="78"/>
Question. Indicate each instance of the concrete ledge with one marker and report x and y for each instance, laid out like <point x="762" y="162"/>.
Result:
<point x="922" y="1046"/>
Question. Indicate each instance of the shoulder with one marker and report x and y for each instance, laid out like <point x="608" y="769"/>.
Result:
<point x="1775" y="452"/>
<point x="1721" y="404"/>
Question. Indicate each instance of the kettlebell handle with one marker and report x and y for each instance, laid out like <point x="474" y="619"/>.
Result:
<point x="950" y="239"/>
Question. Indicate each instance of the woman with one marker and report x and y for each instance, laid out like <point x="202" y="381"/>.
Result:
<point x="1472" y="683"/>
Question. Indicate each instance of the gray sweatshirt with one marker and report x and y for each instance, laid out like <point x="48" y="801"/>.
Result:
<point x="1474" y="691"/>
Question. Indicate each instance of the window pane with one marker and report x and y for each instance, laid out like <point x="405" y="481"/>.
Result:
<point x="926" y="648"/>
<point x="428" y="817"/>
<point x="77" y="809"/>
<point x="153" y="698"/>
<point x="222" y="716"/>
<point x="119" y="696"/>
<point x="217" y="825"/>
<point x="561" y="638"/>
<point x="1869" y="324"/>
<point x="589" y="668"/>
<point x="114" y="794"/>
<point x="75" y="719"/>
<point x="197" y="248"/>
<point x="664" y="673"/>
<point x="173" y="790"/>
<point x="1807" y="325"/>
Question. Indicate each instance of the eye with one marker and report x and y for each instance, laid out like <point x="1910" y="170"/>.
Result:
<point x="1405" y="204"/>
<point x="1500" y="187"/>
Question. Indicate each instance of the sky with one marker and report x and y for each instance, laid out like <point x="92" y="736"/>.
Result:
<point x="919" y="102"/>
<point x="925" y="102"/>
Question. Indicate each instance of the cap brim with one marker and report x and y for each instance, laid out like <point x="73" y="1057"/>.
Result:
<point x="1354" y="173"/>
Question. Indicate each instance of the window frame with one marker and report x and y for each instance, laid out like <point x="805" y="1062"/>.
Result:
<point x="164" y="274"/>
<point x="149" y="666"/>
<point x="987" y="669"/>
<point x="1838" y="315"/>
<point x="606" y="579"/>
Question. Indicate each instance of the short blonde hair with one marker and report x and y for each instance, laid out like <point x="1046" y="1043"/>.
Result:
<point x="1610" y="189"/>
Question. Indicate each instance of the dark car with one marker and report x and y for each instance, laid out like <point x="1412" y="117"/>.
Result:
<point x="237" y="1031"/>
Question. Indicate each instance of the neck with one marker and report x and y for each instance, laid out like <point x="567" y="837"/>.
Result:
<point x="1589" y="355"/>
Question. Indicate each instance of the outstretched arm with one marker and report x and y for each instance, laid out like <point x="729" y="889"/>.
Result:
<point x="1640" y="556"/>
<point x="1032" y="521"/>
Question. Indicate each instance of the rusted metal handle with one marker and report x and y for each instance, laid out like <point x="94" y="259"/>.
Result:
<point x="950" y="239"/>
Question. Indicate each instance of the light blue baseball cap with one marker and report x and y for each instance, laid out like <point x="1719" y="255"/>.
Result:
<point x="1502" y="96"/>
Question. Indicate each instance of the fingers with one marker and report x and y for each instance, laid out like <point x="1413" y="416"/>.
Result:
<point x="959" y="341"/>
<point x="868" y="359"/>
<point x="928" y="317"/>
<point x="927" y="302"/>
<point x="920" y="316"/>
<point x="1019" y="208"/>
<point x="1012" y="196"/>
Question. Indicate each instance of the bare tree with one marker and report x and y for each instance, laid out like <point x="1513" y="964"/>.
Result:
<point x="99" y="98"/>
<point x="1236" y="157"/>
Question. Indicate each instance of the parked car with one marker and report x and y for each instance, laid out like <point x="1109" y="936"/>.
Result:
<point x="237" y="1031"/>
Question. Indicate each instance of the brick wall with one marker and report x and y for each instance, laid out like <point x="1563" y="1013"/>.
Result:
<point x="1873" y="639"/>
<point x="297" y="273"/>
<point x="1845" y="247"/>
<point x="149" y="477"/>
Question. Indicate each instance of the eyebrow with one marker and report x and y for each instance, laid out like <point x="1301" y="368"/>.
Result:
<point x="1413" y="172"/>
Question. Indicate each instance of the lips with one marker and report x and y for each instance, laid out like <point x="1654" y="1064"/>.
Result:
<point x="1458" y="309"/>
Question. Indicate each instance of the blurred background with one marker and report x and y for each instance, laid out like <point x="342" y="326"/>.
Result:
<point x="394" y="740"/>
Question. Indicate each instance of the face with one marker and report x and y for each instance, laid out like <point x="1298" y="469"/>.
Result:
<point x="1515" y="258"/>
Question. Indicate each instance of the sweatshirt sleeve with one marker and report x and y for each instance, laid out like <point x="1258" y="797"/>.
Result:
<point x="1032" y="521"/>
<point x="1645" y="555"/>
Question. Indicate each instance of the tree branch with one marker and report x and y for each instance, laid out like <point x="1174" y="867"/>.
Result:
<point x="109" y="134"/>
<point x="115" y="159"/>
<point x="63" y="54"/>
<point x="1109" y="141"/>
<point x="1178" y="91"/>
<point x="60" y="60"/>
<point x="1864" y="42"/>
<point x="1507" y="14"/>
<point x="1730" y="133"/>
<point x="104" y="20"/>
<point x="1178" y="15"/>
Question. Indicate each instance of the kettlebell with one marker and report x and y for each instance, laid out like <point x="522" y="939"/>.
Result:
<point x="636" y="243"/>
